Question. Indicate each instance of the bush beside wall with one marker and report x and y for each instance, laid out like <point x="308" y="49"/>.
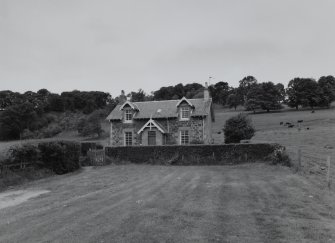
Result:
<point x="33" y="161"/>
<point x="59" y="156"/>
<point x="196" y="154"/>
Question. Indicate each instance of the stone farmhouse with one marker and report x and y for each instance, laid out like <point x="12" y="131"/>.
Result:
<point x="184" y="121"/>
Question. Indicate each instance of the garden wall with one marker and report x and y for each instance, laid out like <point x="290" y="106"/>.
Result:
<point x="197" y="154"/>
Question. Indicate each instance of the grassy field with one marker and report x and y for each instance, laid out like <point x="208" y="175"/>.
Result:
<point x="245" y="203"/>
<point x="315" y="139"/>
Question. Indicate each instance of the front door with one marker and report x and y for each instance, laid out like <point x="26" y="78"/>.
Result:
<point x="151" y="137"/>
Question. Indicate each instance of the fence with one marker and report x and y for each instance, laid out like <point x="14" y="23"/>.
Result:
<point x="96" y="157"/>
<point x="317" y="164"/>
<point x="4" y="168"/>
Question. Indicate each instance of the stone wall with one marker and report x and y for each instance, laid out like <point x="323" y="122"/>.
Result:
<point x="194" y="125"/>
<point x="173" y="125"/>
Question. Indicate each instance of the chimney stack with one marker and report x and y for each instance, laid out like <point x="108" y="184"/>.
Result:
<point x="206" y="92"/>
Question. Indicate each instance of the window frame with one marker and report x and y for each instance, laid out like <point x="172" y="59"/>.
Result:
<point x="185" y="109"/>
<point x="128" y="141"/>
<point x="128" y="114"/>
<point x="184" y="136"/>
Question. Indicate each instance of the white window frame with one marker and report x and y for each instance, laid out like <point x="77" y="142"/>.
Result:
<point x="185" y="109"/>
<point x="128" y="114"/>
<point x="184" y="136"/>
<point x="126" y="139"/>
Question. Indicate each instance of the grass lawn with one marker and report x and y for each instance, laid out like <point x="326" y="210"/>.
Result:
<point x="142" y="203"/>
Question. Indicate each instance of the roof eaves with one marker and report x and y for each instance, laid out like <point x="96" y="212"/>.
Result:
<point x="132" y="105"/>
<point x="186" y="100"/>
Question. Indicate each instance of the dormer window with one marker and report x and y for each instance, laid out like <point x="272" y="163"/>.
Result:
<point x="185" y="113"/>
<point x="128" y="115"/>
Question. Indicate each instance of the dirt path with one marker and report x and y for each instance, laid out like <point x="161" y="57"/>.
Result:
<point x="246" y="203"/>
<point x="13" y="198"/>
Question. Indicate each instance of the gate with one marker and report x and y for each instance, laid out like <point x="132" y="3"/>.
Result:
<point x="96" y="157"/>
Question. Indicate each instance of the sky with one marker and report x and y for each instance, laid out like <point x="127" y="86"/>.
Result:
<point x="111" y="45"/>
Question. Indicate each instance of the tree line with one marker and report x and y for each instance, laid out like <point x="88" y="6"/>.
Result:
<point x="27" y="111"/>
<point x="254" y="95"/>
<point x="27" y="115"/>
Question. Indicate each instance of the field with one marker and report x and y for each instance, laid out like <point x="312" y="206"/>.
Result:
<point x="129" y="203"/>
<point x="142" y="203"/>
<point x="315" y="139"/>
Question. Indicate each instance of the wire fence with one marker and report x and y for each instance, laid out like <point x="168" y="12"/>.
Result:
<point x="320" y="165"/>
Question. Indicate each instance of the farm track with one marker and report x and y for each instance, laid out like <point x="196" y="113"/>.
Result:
<point x="245" y="203"/>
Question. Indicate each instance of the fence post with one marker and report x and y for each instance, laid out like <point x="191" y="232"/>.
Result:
<point x="328" y="172"/>
<point x="299" y="160"/>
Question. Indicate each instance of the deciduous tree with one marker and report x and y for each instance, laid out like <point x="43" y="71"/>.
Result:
<point x="327" y="89"/>
<point x="264" y="96"/>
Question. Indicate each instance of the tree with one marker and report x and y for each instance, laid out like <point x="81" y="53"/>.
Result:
<point x="244" y="87"/>
<point x="137" y="96"/>
<point x="220" y="92"/>
<point x="192" y="89"/>
<point x="9" y="98"/>
<point x="122" y="98"/>
<point x="55" y="103"/>
<point x="264" y="96"/>
<point x="281" y="89"/>
<point x="91" y="126"/>
<point x="237" y="128"/>
<point x="15" y="119"/>
<point x="85" y="101"/>
<point x="303" y="92"/>
<point x="177" y="92"/>
<point x="327" y="89"/>
<point x="164" y="93"/>
<point x="233" y="101"/>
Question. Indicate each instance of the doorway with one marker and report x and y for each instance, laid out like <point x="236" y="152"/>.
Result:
<point x="151" y="137"/>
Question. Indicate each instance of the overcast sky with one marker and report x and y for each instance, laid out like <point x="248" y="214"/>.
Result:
<point x="112" y="45"/>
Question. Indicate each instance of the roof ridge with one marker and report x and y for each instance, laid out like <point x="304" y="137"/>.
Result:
<point x="165" y="100"/>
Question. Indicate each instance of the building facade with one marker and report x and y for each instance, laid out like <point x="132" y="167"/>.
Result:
<point x="184" y="121"/>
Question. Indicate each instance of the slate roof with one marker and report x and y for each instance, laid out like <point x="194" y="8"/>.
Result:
<point x="163" y="109"/>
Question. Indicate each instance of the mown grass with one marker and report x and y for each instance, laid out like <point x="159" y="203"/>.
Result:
<point x="143" y="203"/>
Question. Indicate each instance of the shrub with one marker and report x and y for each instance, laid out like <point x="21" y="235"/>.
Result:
<point x="237" y="128"/>
<point x="59" y="156"/>
<point x="24" y="153"/>
<point x="197" y="141"/>
<point x="279" y="156"/>
<point x="90" y="126"/>
<point x="27" y="134"/>
<point x="62" y="157"/>
<point x="51" y="131"/>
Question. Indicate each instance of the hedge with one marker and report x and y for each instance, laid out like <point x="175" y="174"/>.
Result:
<point x="59" y="156"/>
<point x="198" y="154"/>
